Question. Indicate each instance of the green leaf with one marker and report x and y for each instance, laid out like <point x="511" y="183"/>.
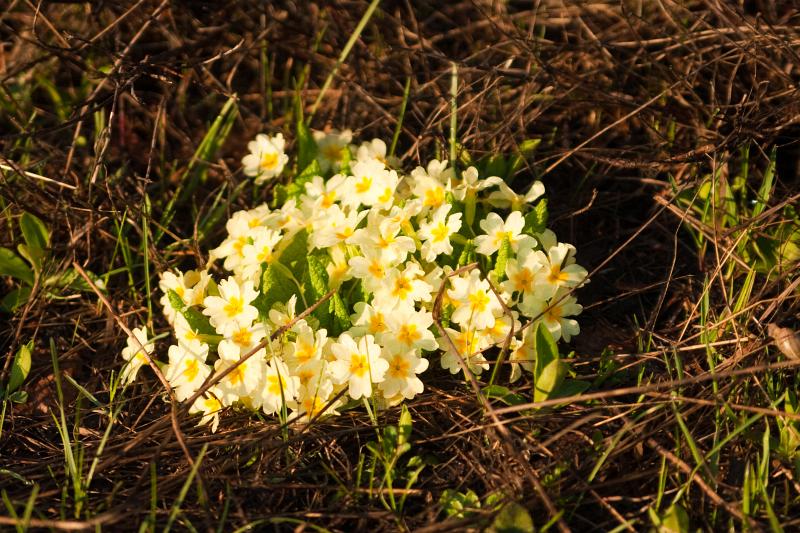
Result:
<point x="34" y="231"/>
<point x="459" y="504"/>
<point x="571" y="387"/>
<point x="175" y="300"/>
<point x="339" y="310"/>
<point x="495" y="165"/>
<point x="297" y="186"/>
<point x="512" y="518"/>
<point x="315" y="287"/>
<point x="15" y="299"/>
<point x="404" y="425"/>
<point x="504" y="394"/>
<point x="306" y="145"/>
<point x="198" y="321"/>
<point x="502" y="259"/>
<point x="536" y="219"/>
<point x="467" y="254"/>
<point x="275" y="287"/>
<point x="12" y="265"/>
<point x="20" y="367"/>
<point x="674" y="520"/>
<point x="293" y="251"/>
<point x="34" y="256"/>
<point x="548" y="372"/>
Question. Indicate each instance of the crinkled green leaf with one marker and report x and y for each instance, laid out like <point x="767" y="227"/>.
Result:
<point x="34" y="256"/>
<point x="198" y="321"/>
<point x="12" y="265"/>
<point x="536" y="219"/>
<point x="275" y="287"/>
<point x="467" y="254"/>
<point x="315" y="286"/>
<point x="512" y="518"/>
<point x="502" y="258"/>
<point x="20" y="367"/>
<point x="548" y="371"/>
<point x="294" y="251"/>
<point x="341" y="315"/>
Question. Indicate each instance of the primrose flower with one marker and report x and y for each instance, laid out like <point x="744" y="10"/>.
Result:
<point x="336" y="227"/>
<point x="403" y="287"/>
<point x="497" y="231"/>
<point x="506" y="198"/>
<point x="383" y="233"/>
<point x="467" y="343"/>
<point x="187" y="369"/>
<point x="258" y="253"/>
<point x="323" y="194"/>
<point x="312" y="400"/>
<point x="359" y="364"/>
<point x="210" y="405"/>
<point x="332" y="148"/>
<point x="470" y="184"/>
<point x="522" y="271"/>
<point x="475" y="302"/>
<point x="368" y="320"/>
<point x="558" y="270"/>
<point x="401" y="376"/>
<point x="231" y="310"/>
<point x="240" y="226"/>
<point x="409" y="329"/>
<point x="554" y="314"/>
<point x="371" y="184"/>
<point x="244" y="381"/>
<point x="279" y="387"/>
<point x="266" y="158"/>
<point x="375" y="149"/>
<point x="436" y="233"/>
<point x="307" y="346"/>
<point x="371" y="268"/>
<point x="136" y="353"/>
<point x="522" y="355"/>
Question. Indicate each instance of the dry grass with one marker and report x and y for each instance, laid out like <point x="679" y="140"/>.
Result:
<point x="633" y="100"/>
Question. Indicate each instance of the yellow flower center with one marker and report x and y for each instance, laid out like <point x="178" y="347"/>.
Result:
<point x="238" y="245"/>
<point x="440" y="233"/>
<point x="234" y="306"/>
<point x="333" y="152"/>
<point x="556" y="275"/>
<point x="399" y="367"/>
<point x="190" y="370"/>
<point x="211" y="405"/>
<point x="386" y="196"/>
<point x="265" y="255"/>
<point x="269" y="160"/>
<point x="303" y="352"/>
<point x="180" y="290"/>
<point x="376" y="324"/>
<point x="478" y="301"/>
<point x="344" y="233"/>
<point x="243" y="337"/>
<point x="305" y="376"/>
<point x="402" y="286"/>
<point x="409" y="334"/>
<point x="237" y="375"/>
<point x="358" y="365"/>
<point x="275" y="384"/>
<point x="364" y="185"/>
<point x="522" y="280"/>
<point x="328" y="198"/>
<point x="434" y="197"/>
<point x="376" y="269"/>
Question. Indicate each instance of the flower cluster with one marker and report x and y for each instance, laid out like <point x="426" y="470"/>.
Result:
<point x="389" y="250"/>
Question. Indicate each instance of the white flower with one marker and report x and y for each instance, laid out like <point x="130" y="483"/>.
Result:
<point x="409" y="329"/>
<point x="231" y="310"/>
<point x="279" y="387"/>
<point x="210" y="406"/>
<point x="187" y="369"/>
<point x="470" y="184"/>
<point x="522" y="354"/>
<point x="506" y="198"/>
<point x="240" y="226"/>
<point x="335" y="227"/>
<point x="467" y="343"/>
<point x="401" y="376"/>
<point x="357" y="364"/>
<point x="555" y="318"/>
<point x="475" y="302"/>
<point x="497" y="230"/>
<point x="436" y="233"/>
<point x="136" y="353"/>
<point x="323" y="194"/>
<point x="331" y="148"/>
<point x="522" y="270"/>
<point x="371" y="184"/>
<point x="312" y="400"/>
<point x="244" y="381"/>
<point x="266" y="158"/>
<point x="558" y="270"/>
<point x="368" y="320"/>
<point x="189" y="285"/>
<point x="283" y="314"/>
<point x="371" y="268"/>
<point x="405" y="286"/>
<point x="383" y="233"/>
<point x="258" y="253"/>
<point x="307" y="346"/>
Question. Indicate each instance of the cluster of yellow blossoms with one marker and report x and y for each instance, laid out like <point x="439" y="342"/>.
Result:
<point x="381" y="245"/>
